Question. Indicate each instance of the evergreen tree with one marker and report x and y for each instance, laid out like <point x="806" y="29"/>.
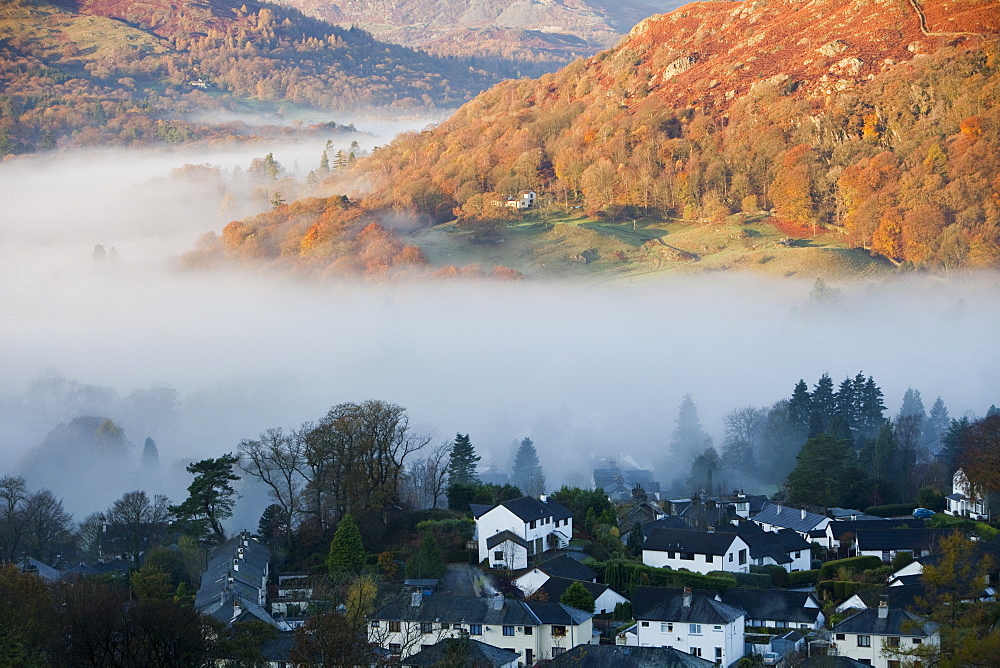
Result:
<point x="688" y="438"/>
<point x="703" y="470"/>
<point x="937" y="421"/>
<point x="577" y="596"/>
<point x="211" y="498"/>
<point x="462" y="461"/>
<point x="823" y="471"/>
<point x="872" y="416"/>
<point x="428" y="562"/>
<point x="800" y="406"/>
<point x="843" y="402"/>
<point x="347" y="552"/>
<point x="324" y="163"/>
<point x="823" y="405"/>
<point x="150" y="456"/>
<point x="951" y="441"/>
<point x="992" y="410"/>
<point x="527" y="473"/>
<point x="913" y="407"/>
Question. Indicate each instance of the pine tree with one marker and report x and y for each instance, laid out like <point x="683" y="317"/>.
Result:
<point x="211" y="497"/>
<point x="992" y="410"/>
<point x="462" y="461"/>
<point x="527" y="473"/>
<point x="577" y="596"/>
<point x="937" y="421"/>
<point x="800" y="406"/>
<point x="952" y="442"/>
<point x="324" y="163"/>
<point x="347" y="552"/>
<point x="913" y="407"/>
<point x="823" y="405"/>
<point x="872" y="409"/>
<point x="844" y="400"/>
<point x="688" y="439"/>
<point x="150" y="455"/>
<point x="824" y="470"/>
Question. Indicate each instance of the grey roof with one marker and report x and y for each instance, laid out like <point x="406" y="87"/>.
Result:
<point x="554" y="588"/>
<point x="529" y="508"/>
<point x="899" y="539"/>
<point x="279" y="648"/>
<point x="896" y="623"/>
<point x="776" y="604"/>
<point x="622" y="656"/>
<point x="689" y="540"/>
<point x="777" y="545"/>
<point x="479" y="509"/>
<point x="470" y="610"/>
<point x="646" y="598"/>
<point x="566" y="567"/>
<point x="223" y="582"/>
<point x="668" y="522"/>
<point x="829" y="661"/>
<point x="900" y="597"/>
<point x="839" y="527"/>
<point x="42" y="570"/>
<point x="504" y="536"/>
<point x="421" y="582"/>
<point x="475" y="654"/>
<point x="702" y="610"/>
<point x="788" y="518"/>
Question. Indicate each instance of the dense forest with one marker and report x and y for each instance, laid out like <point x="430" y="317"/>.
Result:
<point x="826" y="116"/>
<point x="122" y="74"/>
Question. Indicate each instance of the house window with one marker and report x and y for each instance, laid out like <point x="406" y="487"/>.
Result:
<point x="694" y="629"/>
<point x="475" y="629"/>
<point x="709" y="558"/>
<point x="395" y="648"/>
<point x="498" y="555"/>
<point x="892" y="641"/>
<point x="374" y="623"/>
<point x="730" y="557"/>
<point x="687" y="556"/>
<point x="717" y="627"/>
<point x="426" y="627"/>
<point x="532" y="524"/>
<point x="556" y="651"/>
<point x="743" y="557"/>
<point x="395" y="627"/>
<point x="671" y="555"/>
<point x="444" y="626"/>
<point x="529" y="630"/>
<point x="508" y="630"/>
<point x="718" y="654"/>
<point x="559" y="631"/>
<point x="864" y="641"/>
<point x="667" y="627"/>
<point x="696" y="651"/>
<point x="798" y="554"/>
<point x="645" y="624"/>
<point x="840" y="636"/>
<point x="917" y="641"/>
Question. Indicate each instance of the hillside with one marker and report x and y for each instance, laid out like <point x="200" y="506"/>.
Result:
<point x="132" y="71"/>
<point x="859" y="121"/>
<point x="525" y="31"/>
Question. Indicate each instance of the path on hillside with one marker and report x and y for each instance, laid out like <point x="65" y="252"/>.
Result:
<point x="924" y="29"/>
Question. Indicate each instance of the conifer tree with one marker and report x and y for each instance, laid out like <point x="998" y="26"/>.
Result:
<point x="577" y="596"/>
<point x="428" y="562"/>
<point x="462" y="461"/>
<point x="800" y="406"/>
<point x="824" y="470"/>
<point x="823" y="406"/>
<point x="347" y="552"/>
<point x="527" y="472"/>
<point x="688" y="438"/>
<point x="913" y="408"/>
<point x="211" y="497"/>
<point x="872" y="415"/>
<point x="150" y="455"/>
<point x="937" y="421"/>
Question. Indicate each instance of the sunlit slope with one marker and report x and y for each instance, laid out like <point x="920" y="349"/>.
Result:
<point x="870" y="123"/>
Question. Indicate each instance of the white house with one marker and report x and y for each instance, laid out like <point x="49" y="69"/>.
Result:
<point x="774" y="517"/>
<point x="776" y="608"/>
<point x="541" y="524"/>
<point x="887" y="543"/>
<point x="871" y="635"/>
<point x="696" y="624"/>
<point x="559" y="567"/>
<point x="697" y="551"/>
<point x="605" y="598"/>
<point x="234" y="585"/>
<point x="536" y="630"/>
<point x="967" y="500"/>
<point x="785" y="548"/>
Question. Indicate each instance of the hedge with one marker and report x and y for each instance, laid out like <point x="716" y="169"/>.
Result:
<point x="803" y="578"/>
<point x="470" y="557"/>
<point x="852" y="564"/>
<point x="840" y="590"/>
<point x="755" y="580"/>
<point x="777" y="574"/>
<point x="891" y="509"/>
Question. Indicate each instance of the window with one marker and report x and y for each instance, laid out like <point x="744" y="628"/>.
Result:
<point x="666" y="627"/>
<point x="498" y="555"/>
<point x="687" y="556"/>
<point x="394" y="627"/>
<point x="917" y="641"/>
<point x="426" y="627"/>
<point x="798" y="553"/>
<point x="840" y="636"/>
<point x="696" y="651"/>
<point x="645" y="624"/>
<point x="395" y="648"/>
<point x="718" y="654"/>
<point x="529" y="630"/>
<point x="559" y="631"/>
<point x="671" y="555"/>
<point x="508" y="630"/>
<point x="730" y="557"/>
<point x="892" y="641"/>
<point x="475" y="629"/>
<point x="709" y="558"/>
<point x="444" y="626"/>
<point x="556" y="651"/>
<point x="717" y="627"/>
<point x="694" y="629"/>
<point x="864" y="641"/>
<point x="532" y="525"/>
<point x="743" y="557"/>
<point x="374" y="623"/>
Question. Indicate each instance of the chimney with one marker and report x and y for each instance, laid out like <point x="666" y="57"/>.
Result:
<point x="415" y="599"/>
<point x="497" y="601"/>
<point x="687" y="597"/>
<point x="236" y="565"/>
<point x="803" y="511"/>
<point x="711" y="529"/>
<point x="883" y="606"/>
<point x="237" y="608"/>
<point x="543" y="498"/>
<point x="779" y="509"/>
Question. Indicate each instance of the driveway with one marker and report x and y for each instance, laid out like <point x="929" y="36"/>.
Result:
<point x="462" y="580"/>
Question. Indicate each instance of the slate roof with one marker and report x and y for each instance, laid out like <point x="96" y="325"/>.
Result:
<point x="480" y="509"/>
<point x="554" y="588"/>
<point x="776" y="604"/>
<point x="899" y="539"/>
<point x="689" y="540"/>
<point x="476" y="654"/>
<point x="470" y="610"/>
<point x="623" y="656"/>
<point x="221" y="584"/>
<point x="788" y="518"/>
<point x="504" y="536"/>
<point x="528" y="508"/>
<point x="646" y="598"/>
<point x="896" y="623"/>
<point x="703" y="610"/>
<point x="838" y="528"/>
<point x="777" y="545"/>
<point x="668" y="522"/>
<point x="830" y="661"/>
<point x="900" y="596"/>
<point x="42" y="570"/>
<point x="566" y="567"/>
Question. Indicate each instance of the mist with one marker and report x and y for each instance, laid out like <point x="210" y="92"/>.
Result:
<point x="586" y="371"/>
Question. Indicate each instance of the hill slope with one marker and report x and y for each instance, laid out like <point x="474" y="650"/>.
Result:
<point x="859" y="120"/>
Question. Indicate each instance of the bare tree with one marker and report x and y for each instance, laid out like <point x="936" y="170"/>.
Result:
<point x="48" y="524"/>
<point x="137" y="520"/>
<point x="744" y="434"/>
<point x="277" y="459"/>
<point x="13" y="516"/>
<point x="428" y="478"/>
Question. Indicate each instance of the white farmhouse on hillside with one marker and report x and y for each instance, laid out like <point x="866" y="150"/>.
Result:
<point x="532" y="525"/>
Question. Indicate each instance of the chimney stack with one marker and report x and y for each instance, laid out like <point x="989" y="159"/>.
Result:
<point x="687" y="597"/>
<point x="883" y="606"/>
<point x="803" y="511"/>
<point x="415" y="599"/>
<point x="498" y="601"/>
<point x="779" y="509"/>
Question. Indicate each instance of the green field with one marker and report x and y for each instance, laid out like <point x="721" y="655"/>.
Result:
<point x="576" y="246"/>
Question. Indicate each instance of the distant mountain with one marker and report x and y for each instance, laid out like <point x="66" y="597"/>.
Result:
<point x="869" y="123"/>
<point x="524" y="30"/>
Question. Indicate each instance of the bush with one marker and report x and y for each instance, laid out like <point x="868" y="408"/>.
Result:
<point x="852" y="564"/>
<point x="930" y="498"/>
<point x="461" y="556"/>
<point x="892" y="509"/>
<point x="803" y="578"/>
<point x="723" y="574"/>
<point x="839" y="590"/>
<point x="598" y="552"/>
<point x="777" y="574"/>
<point x="754" y="580"/>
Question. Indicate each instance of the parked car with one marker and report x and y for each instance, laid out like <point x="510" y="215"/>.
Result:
<point x="771" y="659"/>
<point x="923" y="513"/>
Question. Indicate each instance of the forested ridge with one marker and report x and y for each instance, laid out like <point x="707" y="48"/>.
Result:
<point x="124" y="73"/>
<point x="832" y="116"/>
